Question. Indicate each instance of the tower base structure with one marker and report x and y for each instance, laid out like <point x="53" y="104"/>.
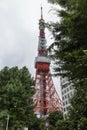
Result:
<point x="46" y="98"/>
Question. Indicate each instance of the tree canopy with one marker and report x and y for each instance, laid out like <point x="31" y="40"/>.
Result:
<point x="70" y="39"/>
<point x="69" y="51"/>
<point x="16" y="90"/>
<point x="53" y="118"/>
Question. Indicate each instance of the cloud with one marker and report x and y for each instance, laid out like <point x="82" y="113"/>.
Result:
<point x="17" y="39"/>
<point x="19" y="31"/>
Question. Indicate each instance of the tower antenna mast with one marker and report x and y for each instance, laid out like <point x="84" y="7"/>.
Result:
<point x="41" y="12"/>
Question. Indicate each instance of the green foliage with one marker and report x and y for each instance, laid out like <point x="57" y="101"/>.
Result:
<point x="70" y="37"/>
<point x="15" y="97"/>
<point x="63" y="125"/>
<point x="82" y="125"/>
<point x="54" y="117"/>
<point x="57" y="122"/>
<point x="79" y="102"/>
<point x="69" y="51"/>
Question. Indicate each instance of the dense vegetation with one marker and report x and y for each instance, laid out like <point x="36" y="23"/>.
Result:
<point x="68" y="50"/>
<point x="15" y="98"/>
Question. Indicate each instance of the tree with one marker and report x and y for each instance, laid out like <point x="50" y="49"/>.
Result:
<point x="53" y="118"/>
<point x="79" y="102"/>
<point x="16" y="90"/>
<point x="37" y="125"/>
<point x="63" y="125"/>
<point x="70" y="41"/>
<point x="57" y="122"/>
<point x="82" y="125"/>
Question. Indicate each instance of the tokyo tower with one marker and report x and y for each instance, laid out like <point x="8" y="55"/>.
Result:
<point x="46" y="98"/>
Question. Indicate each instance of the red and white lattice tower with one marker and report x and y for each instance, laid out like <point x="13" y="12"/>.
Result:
<point x="46" y="98"/>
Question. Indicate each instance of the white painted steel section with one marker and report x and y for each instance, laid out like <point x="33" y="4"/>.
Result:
<point x="42" y="59"/>
<point x="42" y="42"/>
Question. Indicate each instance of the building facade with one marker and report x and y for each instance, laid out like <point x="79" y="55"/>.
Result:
<point x="67" y="92"/>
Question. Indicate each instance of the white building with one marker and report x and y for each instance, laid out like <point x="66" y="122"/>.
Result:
<point x="67" y="92"/>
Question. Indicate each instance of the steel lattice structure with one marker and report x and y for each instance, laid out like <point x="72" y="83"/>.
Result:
<point x="46" y="98"/>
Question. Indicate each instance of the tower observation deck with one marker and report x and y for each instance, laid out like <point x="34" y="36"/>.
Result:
<point x="46" y="98"/>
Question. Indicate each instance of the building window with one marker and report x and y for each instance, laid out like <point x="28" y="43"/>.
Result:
<point x="62" y="98"/>
<point x="63" y="103"/>
<point x="67" y="89"/>
<point x="66" y="102"/>
<point x="68" y="95"/>
<point x="64" y="109"/>
<point x="65" y="96"/>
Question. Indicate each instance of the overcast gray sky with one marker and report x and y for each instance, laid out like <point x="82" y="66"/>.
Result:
<point x="19" y="31"/>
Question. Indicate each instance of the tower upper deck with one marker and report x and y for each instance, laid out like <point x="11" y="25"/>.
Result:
<point x="42" y="50"/>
